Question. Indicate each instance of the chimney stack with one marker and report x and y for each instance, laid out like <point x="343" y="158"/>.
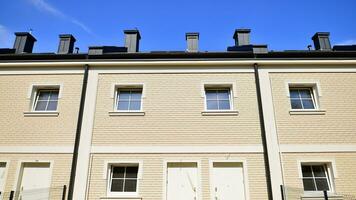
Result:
<point x="242" y="37"/>
<point x="192" y="41"/>
<point x="66" y="44"/>
<point x="24" y="42"/>
<point x="322" y="41"/>
<point x="132" y="40"/>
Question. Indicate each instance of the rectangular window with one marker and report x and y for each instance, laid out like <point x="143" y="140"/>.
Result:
<point x="46" y="100"/>
<point x="129" y="99"/>
<point x="123" y="178"/>
<point x="316" y="177"/>
<point x="218" y="99"/>
<point x="302" y="98"/>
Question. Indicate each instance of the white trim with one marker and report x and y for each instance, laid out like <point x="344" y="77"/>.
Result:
<point x="319" y="148"/>
<point x="275" y="165"/>
<point x="218" y="84"/>
<point x="199" y="190"/>
<point x="127" y="113"/>
<point x="220" y="113"/>
<point x="36" y="149"/>
<point x="39" y="86"/>
<point x="178" y="149"/>
<point x="317" y="161"/>
<point x="41" y="114"/>
<point x="106" y="172"/>
<point x="307" y="112"/>
<point x="20" y="166"/>
<point x="115" y="86"/>
<point x="43" y="71"/>
<point x="304" y="83"/>
<point x="80" y="185"/>
<point x="7" y="164"/>
<point x="245" y="174"/>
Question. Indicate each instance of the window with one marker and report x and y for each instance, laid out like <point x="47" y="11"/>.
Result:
<point x="46" y="100"/>
<point x="316" y="177"/>
<point x="129" y="99"/>
<point x="218" y="98"/>
<point x="302" y="98"/>
<point x="123" y="178"/>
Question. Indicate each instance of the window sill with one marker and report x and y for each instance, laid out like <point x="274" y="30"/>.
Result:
<point x="220" y="113"/>
<point x="41" y="114"/>
<point x="122" y="198"/>
<point x="307" y="112"/>
<point x="132" y="113"/>
<point x="320" y="195"/>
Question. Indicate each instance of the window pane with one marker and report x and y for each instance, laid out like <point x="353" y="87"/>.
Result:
<point x="124" y="95"/>
<point x="306" y="170"/>
<point x="54" y="95"/>
<point x="118" y="172"/>
<point x="52" y="105"/>
<point x="211" y="94"/>
<point x="43" y="95"/>
<point x="123" y="105"/>
<point x="294" y="93"/>
<point x="322" y="184"/>
<point x="308" y="104"/>
<point x="296" y="104"/>
<point x="136" y="95"/>
<point x="131" y="172"/>
<point x="223" y="94"/>
<point x="212" y="104"/>
<point x="224" y="105"/>
<point x="117" y="185"/>
<point x="319" y="171"/>
<point x="308" y="184"/>
<point x="41" y="105"/>
<point x="135" y="105"/>
<point x="130" y="185"/>
<point x="305" y="93"/>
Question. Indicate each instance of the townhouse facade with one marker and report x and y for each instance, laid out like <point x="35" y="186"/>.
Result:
<point x="117" y="123"/>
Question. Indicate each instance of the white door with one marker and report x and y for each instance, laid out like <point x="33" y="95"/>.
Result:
<point x="2" y="178"/>
<point x="35" y="181"/>
<point x="182" y="181"/>
<point x="228" y="181"/>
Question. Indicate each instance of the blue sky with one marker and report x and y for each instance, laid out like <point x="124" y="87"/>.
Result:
<point x="281" y="24"/>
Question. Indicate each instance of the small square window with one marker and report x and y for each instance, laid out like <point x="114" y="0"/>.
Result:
<point x="46" y="100"/>
<point x="218" y="98"/>
<point x="129" y="99"/>
<point x="302" y="98"/>
<point x="316" y="177"/>
<point x="123" y="179"/>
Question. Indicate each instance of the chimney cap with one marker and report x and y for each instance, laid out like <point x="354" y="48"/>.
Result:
<point x="318" y="34"/>
<point x="191" y="34"/>
<point x="133" y="31"/>
<point x="67" y="36"/>
<point x="241" y="30"/>
<point x="26" y="34"/>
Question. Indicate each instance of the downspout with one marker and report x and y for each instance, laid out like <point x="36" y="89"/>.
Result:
<point x="77" y="134"/>
<point x="263" y="132"/>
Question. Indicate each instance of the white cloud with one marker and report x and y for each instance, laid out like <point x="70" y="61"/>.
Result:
<point x="347" y="42"/>
<point x="42" y="5"/>
<point x="5" y="37"/>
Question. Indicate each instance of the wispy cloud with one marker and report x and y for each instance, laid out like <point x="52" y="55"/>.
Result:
<point x="44" y="6"/>
<point x="347" y="42"/>
<point x="5" y="36"/>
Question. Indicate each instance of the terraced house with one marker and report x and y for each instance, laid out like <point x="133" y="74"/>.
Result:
<point x="117" y="123"/>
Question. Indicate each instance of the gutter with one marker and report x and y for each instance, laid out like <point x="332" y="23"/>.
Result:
<point x="78" y="133"/>
<point x="263" y="132"/>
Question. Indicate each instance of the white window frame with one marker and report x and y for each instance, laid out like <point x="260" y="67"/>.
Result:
<point x="331" y="172"/>
<point x="219" y="86"/>
<point x="314" y="86"/>
<point x="7" y="163"/>
<point x="107" y="175"/>
<point x="117" y="86"/>
<point x="33" y="91"/>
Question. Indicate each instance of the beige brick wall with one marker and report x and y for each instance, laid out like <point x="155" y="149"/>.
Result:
<point x="151" y="185"/>
<point x="345" y="183"/>
<point x="338" y="99"/>
<point x="16" y="129"/>
<point x="173" y="106"/>
<point x="60" y="171"/>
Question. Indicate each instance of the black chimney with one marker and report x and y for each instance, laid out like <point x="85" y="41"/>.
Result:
<point x="242" y="37"/>
<point x="24" y="42"/>
<point x="132" y="40"/>
<point x="66" y="44"/>
<point x="322" y="41"/>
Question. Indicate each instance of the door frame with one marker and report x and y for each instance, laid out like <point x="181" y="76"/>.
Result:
<point x="244" y="170"/>
<point x="165" y="174"/>
<point x="7" y="162"/>
<point x="19" y="170"/>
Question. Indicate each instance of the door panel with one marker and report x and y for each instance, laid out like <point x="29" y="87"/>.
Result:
<point x="35" y="181"/>
<point x="228" y="181"/>
<point x="182" y="181"/>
